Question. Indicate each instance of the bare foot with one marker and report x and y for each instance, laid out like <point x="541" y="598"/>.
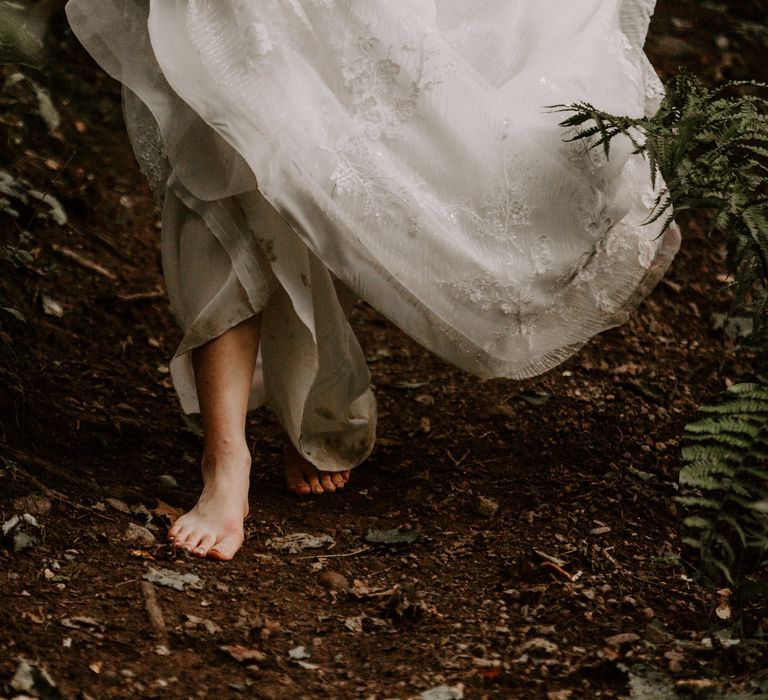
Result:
<point x="214" y="527"/>
<point x="303" y="478"/>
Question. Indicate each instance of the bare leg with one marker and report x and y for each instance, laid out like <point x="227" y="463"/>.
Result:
<point x="223" y="374"/>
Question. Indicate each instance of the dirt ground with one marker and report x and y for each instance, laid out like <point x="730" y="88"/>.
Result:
<point x="538" y="551"/>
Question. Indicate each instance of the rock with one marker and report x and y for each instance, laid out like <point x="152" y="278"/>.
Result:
<point x="140" y="535"/>
<point x="244" y="654"/>
<point x="540" y="645"/>
<point x="674" y="661"/>
<point x="18" y="532"/>
<point x="696" y="685"/>
<point x="34" y="503"/>
<point x="32" y="681"/>
<point x="656" y="635"/>
<point x="118" y="505"/>
<point x="618" y="640"/>
<point x="484" y="507"/>
<point x="334" y="581"/>
<point x="166" y="481"/>
<point x="600" y="530"/>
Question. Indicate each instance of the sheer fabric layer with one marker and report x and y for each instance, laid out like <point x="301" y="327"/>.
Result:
<point x="402" y="148"/>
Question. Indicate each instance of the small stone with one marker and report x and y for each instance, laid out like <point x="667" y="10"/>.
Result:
<point x="139" y="535"/>
<point x="244" y="654"/>
<point x="540" y="645"/>
<point x="648" y="613"/>
<point x="600" y="530"/>
<point x="334" y="581"/>
<point x="34" y="503"/>
<point x="656" y="635"/>
<point x="618" y="640"/>
<point x="696" y="685"/>
<point x="22" y="541"/>
<point x="674" y="661"/>
<point x="166" y="481"/>
<point x="443" y="692"/>
<point x="31" y="680"/>
<point x="117" y="505"/>
<point x="484" y="507"/>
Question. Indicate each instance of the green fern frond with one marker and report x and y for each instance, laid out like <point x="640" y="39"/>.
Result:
<point x="724" y="484"/>
<point x="712" y="454"/>
<point x="710" y="147"/>
<point x="739" y="426"/>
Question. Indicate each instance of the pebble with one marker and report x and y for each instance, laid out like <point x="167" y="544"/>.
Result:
<point x="674" y="661"/>
<point x="166" y="481"/>
<point x="34" y="504"/>
<point x="117" y="505"/>
<point x="334" y="581"/>
<point x="618" y="640"/>
<point x="655" y="634"/>
<point x="485" y="507"/>
<point x="140" y="535"/>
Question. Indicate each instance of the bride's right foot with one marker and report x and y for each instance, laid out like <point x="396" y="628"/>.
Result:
<point x="214" y="527"/>
<point x="303" y="478"/>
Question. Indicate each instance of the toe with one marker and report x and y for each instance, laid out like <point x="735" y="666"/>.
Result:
<point x="345" y="475"/>
<point x="300" y="489"/>
<point x="204" y="546"/>
<point x="176" y="533"/>
<point x="313" y="480"/>
<point x="181" y="539"/>
<point x="192" y="542"/>
<point x="296" y="483"/>
<point x="225" y="549"/>
<point x="338" y="480"/>
<point x="326" y="481"/>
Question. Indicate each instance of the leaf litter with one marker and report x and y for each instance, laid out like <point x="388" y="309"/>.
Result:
<point x="174" y="579"/>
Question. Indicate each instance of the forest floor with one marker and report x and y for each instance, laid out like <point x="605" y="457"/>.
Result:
<point x="539" y="554"/>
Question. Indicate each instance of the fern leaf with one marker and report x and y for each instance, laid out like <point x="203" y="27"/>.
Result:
<point x="724" y="483"/>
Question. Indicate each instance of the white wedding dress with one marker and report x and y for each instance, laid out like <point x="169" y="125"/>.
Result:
<point x="400" y="149"/>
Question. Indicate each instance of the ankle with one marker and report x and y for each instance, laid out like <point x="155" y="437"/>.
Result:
<point x="220" y="449"/>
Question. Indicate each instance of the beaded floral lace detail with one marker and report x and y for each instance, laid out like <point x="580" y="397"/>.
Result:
<point x="147" y="142"/>
<point x="408" y="145"/>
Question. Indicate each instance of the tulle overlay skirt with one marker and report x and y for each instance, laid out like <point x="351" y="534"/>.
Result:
<point x="399" y="150"/>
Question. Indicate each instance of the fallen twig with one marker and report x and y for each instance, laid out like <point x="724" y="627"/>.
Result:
<point x="555" y="569"/>
<point x="142" y="296"/>
<point x="85" y="262"/>
<point x="337" y="556"/>
<point x="549" y="558"/>
<point x="154" y="612"/>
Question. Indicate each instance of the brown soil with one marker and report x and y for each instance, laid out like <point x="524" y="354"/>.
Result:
<point x="523" y="602"/>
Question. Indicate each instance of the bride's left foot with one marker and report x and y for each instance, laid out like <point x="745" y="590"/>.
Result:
<point x="303" y="478"/>
<point x="214" y="527"/>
